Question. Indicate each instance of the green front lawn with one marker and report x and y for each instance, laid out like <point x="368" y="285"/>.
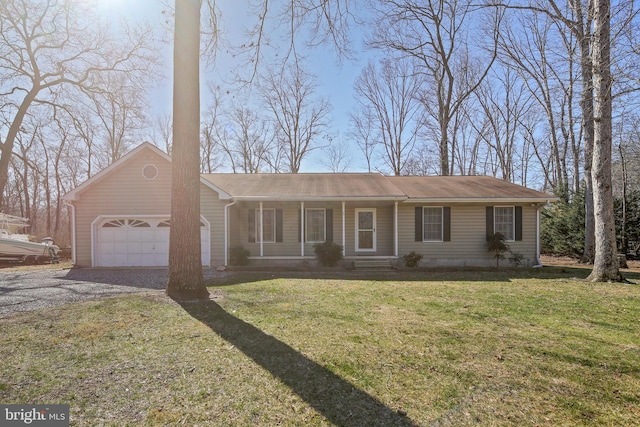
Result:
<point x="509" y="347"/>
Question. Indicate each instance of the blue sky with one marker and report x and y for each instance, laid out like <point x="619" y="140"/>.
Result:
<point x="335" y="80"/>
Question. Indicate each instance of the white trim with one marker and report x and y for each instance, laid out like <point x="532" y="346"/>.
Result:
<point x="75" y="193"/>
<point x="344" y="230"/>
<point x="395" y="229"/>
<point x="484" y="200"/>
<point x="357" y="229"/>
<point x="320" y="198"/>
<point x="538" y="261"/>
<point x="261" y="213"/>
<point x="302" y="229"/>
<point x="155" y="175"/>
<point x="226" y="232"/>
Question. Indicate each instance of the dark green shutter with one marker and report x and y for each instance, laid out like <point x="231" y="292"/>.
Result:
<point x="252" y="226"/>
<point x="419" y="221"/>
<point x="329" y="224"/>
<point x="299" y="236"/>
<point x="278" y="225"/>
<point x="446" y="224"/>
<point x="489" y="221"/>
<point x="518" y="220"/>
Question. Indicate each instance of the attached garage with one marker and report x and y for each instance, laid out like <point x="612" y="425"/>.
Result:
<point x="140" y="241"/>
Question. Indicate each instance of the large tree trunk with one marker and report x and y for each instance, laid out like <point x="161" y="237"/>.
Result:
<point x="185" y="264"/>
<point x="586" y="105"/>
<point x="605" y="267"/>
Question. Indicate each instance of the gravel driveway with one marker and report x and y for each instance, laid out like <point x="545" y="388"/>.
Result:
<point x="32" y="289"/>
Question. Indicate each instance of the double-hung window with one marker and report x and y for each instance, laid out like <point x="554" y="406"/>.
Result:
<point x="504" y="221"/>
<point x="269" y="224"/>
<point x="432" y="224"/>
<point x="315" y="231"/>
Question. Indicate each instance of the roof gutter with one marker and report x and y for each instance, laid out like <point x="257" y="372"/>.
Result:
<point x="449" y="200"/>
<point x="318" y="198"/>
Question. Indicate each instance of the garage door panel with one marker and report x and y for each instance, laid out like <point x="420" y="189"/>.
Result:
<point x="105" y="247"/>
<point x="134" y="259"/>
<point x="119" y="235"/>
<point x="138" y="242"/>
<point x="148" y="247"/>
<point x="118" y="260"/>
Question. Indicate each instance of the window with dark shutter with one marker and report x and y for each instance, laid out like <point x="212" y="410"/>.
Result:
<point x="489" y="229"/>
<point x="278" y="225"/>
<point x="446" y="225"/>
<point x="251" y="226"/>
<point x="518" y="219"/>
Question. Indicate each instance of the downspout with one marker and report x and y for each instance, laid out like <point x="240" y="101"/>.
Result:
<point x="226" y="232"/>
<point x="344" y="231"/>
<point x="72" y="208"/>
<point x="539" y="263"/>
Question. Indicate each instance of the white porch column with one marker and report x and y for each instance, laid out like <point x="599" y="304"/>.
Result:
<point x="301" y="228"/>
<point x="261" y="232"/>
<point x="344" y="231"/>
<point x="538" y="261"/>
<point x="395" y="229"/>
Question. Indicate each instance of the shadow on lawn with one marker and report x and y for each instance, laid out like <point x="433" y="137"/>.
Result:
<point x="336" y="399"/>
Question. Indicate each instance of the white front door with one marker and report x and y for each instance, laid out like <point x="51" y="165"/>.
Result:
<point x="365" y="230"/>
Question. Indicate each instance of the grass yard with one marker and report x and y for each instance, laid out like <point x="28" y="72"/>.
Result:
<point x="485" y="347"/>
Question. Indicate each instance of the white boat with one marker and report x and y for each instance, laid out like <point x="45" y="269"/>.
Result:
<point x="16" y="247"/>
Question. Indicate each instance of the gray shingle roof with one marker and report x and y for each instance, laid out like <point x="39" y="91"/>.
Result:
<point x="310" y="186"/>
<point x="463" y="187"/>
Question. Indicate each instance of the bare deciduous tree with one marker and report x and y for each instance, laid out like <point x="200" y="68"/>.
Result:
<point x="336" y="157"/>
<point x="48" y="47"/>
<point x="362" y="131"/>
<point x="435" y="33"/>
<point x="299" y="116"/>
<point x="251" y="142"/>
<point x="387" y="95"/>
<point x="505" y="104"/>
<point x="118" y="108"/>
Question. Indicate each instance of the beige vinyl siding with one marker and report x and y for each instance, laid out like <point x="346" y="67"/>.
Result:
<point x="212" y="208"/>
<point x="125" y="191"/>
<point x="468" y="237"/>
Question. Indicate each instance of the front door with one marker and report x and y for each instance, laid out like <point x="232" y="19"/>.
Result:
<point x="365" y="230"/>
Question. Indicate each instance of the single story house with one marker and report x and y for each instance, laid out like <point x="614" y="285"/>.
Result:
<point x="121" y="216"/>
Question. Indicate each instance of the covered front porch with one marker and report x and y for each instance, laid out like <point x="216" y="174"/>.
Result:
<point x="283" y="233"/>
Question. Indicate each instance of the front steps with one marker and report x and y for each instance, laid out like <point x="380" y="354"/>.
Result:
<point x="372" y="264"/>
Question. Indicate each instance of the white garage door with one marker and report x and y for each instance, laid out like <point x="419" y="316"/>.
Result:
<point x="139" y="242"/>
